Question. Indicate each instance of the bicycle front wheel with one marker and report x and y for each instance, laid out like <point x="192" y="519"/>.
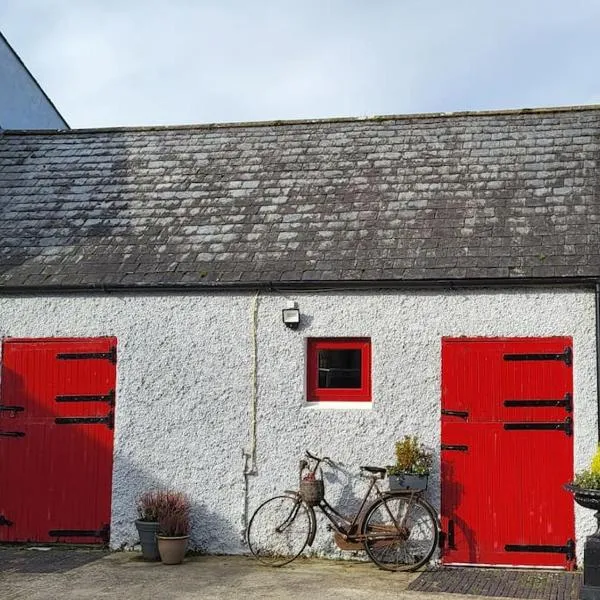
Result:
<point x="401" y="532"/>
<point x="279" y="530"/>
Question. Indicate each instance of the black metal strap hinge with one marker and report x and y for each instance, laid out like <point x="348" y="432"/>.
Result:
<point x="12" y="433"/>
<point x="110" y="398"/>
<point x="566" y="426"/>
<point x="111" y="355"/>
<point x="568" y="549"/>
<point x="103" y="533"/>
<point x="567" y="402"/>
<point x="108" y="420"/>
<point x="566" y="357"/>
<point x="463" y="414"/>
<point x="5" y="521"/>
<point x="457" y="447"/>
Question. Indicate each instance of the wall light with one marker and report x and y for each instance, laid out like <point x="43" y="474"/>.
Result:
<point x="291" y="315"/>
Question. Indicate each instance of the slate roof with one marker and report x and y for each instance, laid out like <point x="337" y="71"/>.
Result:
<point x="407" y="198"/>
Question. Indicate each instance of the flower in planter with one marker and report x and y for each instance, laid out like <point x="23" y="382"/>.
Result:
<point x="590" y="478"/>
<point x="411" y="457"/>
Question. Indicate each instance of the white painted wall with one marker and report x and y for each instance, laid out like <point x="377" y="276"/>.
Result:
<point x="185" y="386"/>
<point x="23" y="105"/>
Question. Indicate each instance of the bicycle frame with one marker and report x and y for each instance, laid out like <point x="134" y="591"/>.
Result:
<point x="349" y="528"/>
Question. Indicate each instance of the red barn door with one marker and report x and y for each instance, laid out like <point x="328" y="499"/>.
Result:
<point x="56" y="439"/>
<point x="507" y="450"/>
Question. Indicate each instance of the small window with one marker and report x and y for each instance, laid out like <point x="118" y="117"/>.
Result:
<point x="338" y="369"/>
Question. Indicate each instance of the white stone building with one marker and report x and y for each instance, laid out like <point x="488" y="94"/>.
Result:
<point x="445" y="268"/>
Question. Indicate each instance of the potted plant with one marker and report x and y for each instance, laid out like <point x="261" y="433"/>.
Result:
<point x="149" y="506"/>
<point x="174" y="528"/>
<point x="413" y="463"/>
<point x="586" y="492"/>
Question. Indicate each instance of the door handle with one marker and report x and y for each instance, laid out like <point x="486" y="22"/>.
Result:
<point x="463" y="414"/>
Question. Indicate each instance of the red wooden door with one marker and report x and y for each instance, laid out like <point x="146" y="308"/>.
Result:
<point x="507" y="450"/>
<point x="56" y="439"/>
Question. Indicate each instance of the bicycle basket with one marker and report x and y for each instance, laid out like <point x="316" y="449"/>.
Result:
<point x="312" y="491"/>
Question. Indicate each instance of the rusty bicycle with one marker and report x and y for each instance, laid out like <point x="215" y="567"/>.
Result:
<point x="399" y="530"/>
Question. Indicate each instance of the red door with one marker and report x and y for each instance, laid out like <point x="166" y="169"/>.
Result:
<point x="56" y="439"/>
<point x="507" y="450"/>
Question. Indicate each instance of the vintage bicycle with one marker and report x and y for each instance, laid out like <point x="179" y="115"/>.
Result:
<point x="399" y="530"/>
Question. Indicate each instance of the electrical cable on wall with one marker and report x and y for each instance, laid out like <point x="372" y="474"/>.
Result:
<point x="249" y="454"/>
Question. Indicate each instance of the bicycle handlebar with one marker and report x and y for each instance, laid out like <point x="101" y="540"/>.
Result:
<point x="313" y="457"/>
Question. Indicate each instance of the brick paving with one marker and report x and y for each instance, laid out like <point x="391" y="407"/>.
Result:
<point x="503" y="583"/>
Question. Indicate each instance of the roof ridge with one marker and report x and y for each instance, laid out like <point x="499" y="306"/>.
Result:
<point x="285" y="122"/>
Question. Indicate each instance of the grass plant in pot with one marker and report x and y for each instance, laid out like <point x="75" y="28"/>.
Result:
<point x="149" y="506"/>
<point x="413" y="464"/>
<point x="174" y="528"/>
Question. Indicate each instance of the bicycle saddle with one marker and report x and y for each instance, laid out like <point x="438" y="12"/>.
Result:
<point x="375" y="470"/>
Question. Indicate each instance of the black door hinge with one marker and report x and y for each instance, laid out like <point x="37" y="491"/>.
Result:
<point x="457" y="447"/>
<point x="567" y="402"/>
<point x="566" y="426"/>
<point x="5" y="521"/>
<point x="12" y="433"/>
<point x="110" y="398"/>
<point x="568" y="549"/>
<point x="108" y="420"/>
<point x="111" y="355"/>
<point x="463" y="414"/>
<point x="12" y="409"/>
<point x="566" y="357"/>
<point x="103" y="533"/>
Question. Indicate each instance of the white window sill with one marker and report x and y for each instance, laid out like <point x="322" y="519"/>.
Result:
<point x="339" y="405"/>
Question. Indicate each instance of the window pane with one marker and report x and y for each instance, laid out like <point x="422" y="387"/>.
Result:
<point x="339" y="369"/>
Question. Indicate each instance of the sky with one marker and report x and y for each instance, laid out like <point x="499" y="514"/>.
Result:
<point x="150" y="62"/>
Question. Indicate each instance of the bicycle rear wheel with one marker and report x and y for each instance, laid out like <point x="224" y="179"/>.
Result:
<point x="401" y="532"/>
<point x="279" y="530"/>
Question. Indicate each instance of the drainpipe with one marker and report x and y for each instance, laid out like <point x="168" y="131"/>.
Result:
<point x="249" y="454"/>
<point x="598" y="356"/>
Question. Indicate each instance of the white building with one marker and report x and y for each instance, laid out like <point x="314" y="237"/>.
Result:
<point x="445" y="268"/>
<point x="23" y="103"/>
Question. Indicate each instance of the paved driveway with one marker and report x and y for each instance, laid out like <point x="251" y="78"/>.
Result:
<point x="90" y="574"/>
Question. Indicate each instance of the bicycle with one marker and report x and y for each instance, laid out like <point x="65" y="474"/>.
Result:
<point x="399" y="530"/>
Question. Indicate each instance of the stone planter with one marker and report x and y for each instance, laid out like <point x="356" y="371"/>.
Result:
<point x="172" y="549"/>
<point x="590" y="590"/>
<point x="147" y="531"/>
<point x="407" y="481"/>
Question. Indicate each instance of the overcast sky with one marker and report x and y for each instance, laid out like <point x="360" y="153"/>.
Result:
<point x="144" y="62"/>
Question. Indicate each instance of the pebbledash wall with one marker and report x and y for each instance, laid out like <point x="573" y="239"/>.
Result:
<point x="186" y="375"/>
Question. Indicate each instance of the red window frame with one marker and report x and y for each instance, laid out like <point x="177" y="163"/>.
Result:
<point x="316" y="394"/>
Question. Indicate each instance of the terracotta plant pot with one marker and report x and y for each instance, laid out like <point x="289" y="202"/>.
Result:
<point x="172" y="549"/>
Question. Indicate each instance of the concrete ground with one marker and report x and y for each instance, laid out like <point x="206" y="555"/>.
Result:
<point x="90" y="574"/>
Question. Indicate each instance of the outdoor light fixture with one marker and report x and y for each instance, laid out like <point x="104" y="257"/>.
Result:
<point x="291" y="315"/>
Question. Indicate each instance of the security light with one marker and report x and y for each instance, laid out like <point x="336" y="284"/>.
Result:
<point x="291" y="315"/>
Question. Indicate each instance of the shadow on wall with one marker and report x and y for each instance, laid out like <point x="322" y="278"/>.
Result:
<point x="457" y="527"/>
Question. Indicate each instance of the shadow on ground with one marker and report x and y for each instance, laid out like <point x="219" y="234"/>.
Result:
<point x="46" y="559"/>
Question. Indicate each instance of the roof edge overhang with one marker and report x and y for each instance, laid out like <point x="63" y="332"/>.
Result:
<point x="304" y="286"/>
<point x="307" y="121"/>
